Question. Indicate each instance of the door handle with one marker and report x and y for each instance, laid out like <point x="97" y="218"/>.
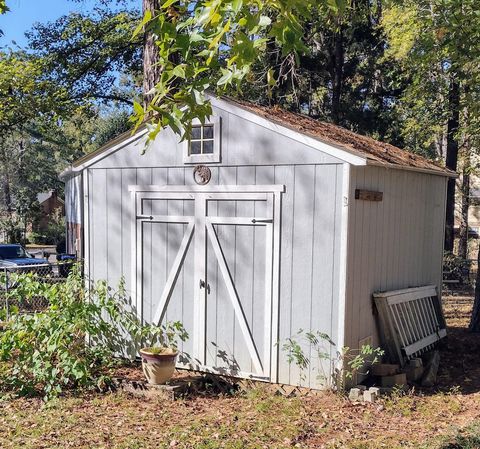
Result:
<point x="207" y="286"/>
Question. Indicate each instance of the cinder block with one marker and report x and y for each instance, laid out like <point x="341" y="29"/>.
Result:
<point x="355" y="395"/>
<point x="415" y="363"/>
<point x="414" y="374"/>
<point x="375" y="390"/>
<point x="369" y="396"/>
<point x="396" y="379"/>
<point x="384" y="369"/>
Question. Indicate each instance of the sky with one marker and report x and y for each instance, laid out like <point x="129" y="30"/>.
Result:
<point x="24" y="13"/>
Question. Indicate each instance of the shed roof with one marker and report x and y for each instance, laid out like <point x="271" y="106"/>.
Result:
<point x="372" y="151"/>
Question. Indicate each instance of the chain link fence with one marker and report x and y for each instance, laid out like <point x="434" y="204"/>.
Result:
<point x="11" y="298"/>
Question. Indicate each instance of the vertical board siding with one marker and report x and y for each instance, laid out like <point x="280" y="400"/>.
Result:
<point x="302" y="258"/>
<point x="393" y="244"/>
<point x="309" y="254"/>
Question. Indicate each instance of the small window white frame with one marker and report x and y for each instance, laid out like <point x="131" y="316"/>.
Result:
<point x="210" y="158"/>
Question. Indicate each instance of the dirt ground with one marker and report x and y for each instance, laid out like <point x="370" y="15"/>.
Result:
<point x="434" y="418"/>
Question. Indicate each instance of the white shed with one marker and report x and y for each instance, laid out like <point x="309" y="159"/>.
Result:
<point x="267" y="223"/>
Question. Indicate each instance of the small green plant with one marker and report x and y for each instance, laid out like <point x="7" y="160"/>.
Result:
<point x="351" y="361"/>
<point x="74" y="342"/>
<point x="158" y="338"/>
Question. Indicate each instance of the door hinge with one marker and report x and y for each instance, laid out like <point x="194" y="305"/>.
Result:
<point x="262" y="221"/>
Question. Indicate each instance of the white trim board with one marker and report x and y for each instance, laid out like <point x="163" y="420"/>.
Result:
<point x="208" y="188"/>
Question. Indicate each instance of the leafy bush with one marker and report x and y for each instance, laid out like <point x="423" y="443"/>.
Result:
<point x="73" y="343"/>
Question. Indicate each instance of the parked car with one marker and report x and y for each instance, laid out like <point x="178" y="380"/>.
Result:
<point x="14" y="258"/>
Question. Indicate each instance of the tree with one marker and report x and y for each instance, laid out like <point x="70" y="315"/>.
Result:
<point x="24" y="93"/>
<point x="91" y="56"/>
<point x="437" y="43"/>
<point x="214" y="44"/>
<point x="367" y="85"/>
<point x="3" y="10"/>
<point x="151" y="69"/>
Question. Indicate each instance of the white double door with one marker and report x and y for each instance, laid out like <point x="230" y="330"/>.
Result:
<point x="208" y="259"/>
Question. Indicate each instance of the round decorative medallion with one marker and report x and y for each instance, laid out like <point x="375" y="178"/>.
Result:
<point x="202" y="175"/>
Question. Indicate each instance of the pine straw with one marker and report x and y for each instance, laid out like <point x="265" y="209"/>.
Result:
<point x="428" y="419"/>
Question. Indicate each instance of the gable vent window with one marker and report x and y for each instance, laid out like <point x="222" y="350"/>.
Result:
<point x="202" y="139"/>
<point x="204" y="144"/>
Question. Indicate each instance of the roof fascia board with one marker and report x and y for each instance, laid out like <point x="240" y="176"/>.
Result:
<point x="427" y="171"/>
<point x="332" y="150"/>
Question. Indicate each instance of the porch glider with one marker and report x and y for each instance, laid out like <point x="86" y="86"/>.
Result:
<point x="411" y="321"/>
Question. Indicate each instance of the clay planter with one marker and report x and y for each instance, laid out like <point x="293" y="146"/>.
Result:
<point x="158" y="364"/>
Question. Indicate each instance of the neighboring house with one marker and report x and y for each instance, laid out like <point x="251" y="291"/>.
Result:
<point x="266" y="223"/>
<point x="473" y="213"/>
<point x="50" y="204"/>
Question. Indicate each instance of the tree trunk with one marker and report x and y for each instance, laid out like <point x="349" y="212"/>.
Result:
<point x="337" y="75"/>
<point x="475" y="318"/>
<point x="151" y="70"/>
<point x="6" y="189"/>
<point x="452" y="158"/>
<point x="465" y="190"/>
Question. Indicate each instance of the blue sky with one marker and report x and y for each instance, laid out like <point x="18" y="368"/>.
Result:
<point x="24" y="13"/>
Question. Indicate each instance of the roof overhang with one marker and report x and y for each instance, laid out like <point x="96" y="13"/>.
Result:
<point x="445" y="173"/>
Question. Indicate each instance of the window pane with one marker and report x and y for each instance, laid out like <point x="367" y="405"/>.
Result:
<point x="208" y="132"/>
<point x="196" y="147"/>
<point x="196" y="132"/>
<point x="208" y="147"/>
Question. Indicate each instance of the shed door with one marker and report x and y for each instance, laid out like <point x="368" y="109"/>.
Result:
<point x="207" y="260"/>
<point x="239" y="257"/>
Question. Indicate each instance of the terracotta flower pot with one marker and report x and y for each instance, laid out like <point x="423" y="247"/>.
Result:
<point x="158" y="364"/>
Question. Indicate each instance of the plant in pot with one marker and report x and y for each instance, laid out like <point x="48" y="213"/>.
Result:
<point x="159" y="357"/>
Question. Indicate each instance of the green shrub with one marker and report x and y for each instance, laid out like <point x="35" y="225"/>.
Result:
<point x="73" y="343"/>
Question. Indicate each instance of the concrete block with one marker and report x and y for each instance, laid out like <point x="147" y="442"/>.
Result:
<point x="355" y="395"/>
<point x="391" y="381"/>
<point x="431" y="369"/>
<point x="414" y="374"/>
<point x="369" y="396"/>
<point x="415" y="363"/>
<point x="384" y="369"/>
<point x="375" y="390"/>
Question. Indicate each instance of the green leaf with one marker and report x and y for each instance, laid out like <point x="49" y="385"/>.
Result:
<point x="146" y="18"/>
<point x="226" y="78"/>
<point x="237" y="5"/>
<point x="178" y="71"/>
<point x="138" y="108"/>
<point x="169" y="3"/>
<point x="264" y="21"/>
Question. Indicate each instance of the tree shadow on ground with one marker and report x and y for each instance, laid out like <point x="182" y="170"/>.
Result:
<point x="460" y="352"/>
